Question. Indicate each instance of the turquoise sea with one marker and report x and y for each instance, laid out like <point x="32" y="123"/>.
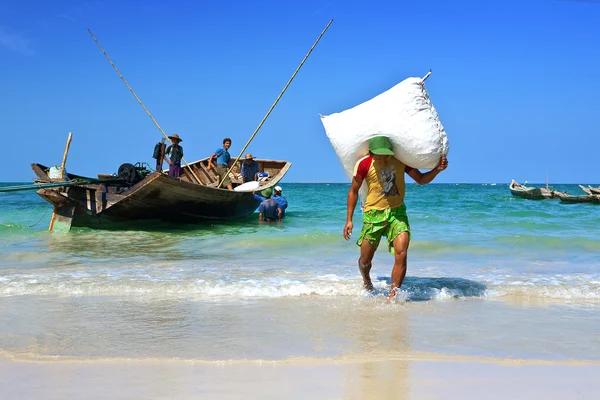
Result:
<point x="488" y="275"/>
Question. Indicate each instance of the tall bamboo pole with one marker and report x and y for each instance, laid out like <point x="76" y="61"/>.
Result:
<point x="275" y="103"/>
<point x="63" y="176"/>
<point x="138" y="99"/>
<point x="64" y="159"/>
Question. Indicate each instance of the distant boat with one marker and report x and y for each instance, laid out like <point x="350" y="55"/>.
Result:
<point x="570" y="199"/>
<point x="594" y="190"/>
<point x="590" y="190"/>
<point x="138" y="194"/>
<point x="531" y="193"/>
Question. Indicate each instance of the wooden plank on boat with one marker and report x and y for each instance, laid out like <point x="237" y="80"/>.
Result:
<point x="212" y="175"/>
<point x="198" y="173"/>
<point x="43" y="176"/>
<point x="189" y="176"/>
<point x="206" y="176"/>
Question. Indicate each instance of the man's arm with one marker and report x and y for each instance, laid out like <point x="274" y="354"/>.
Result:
<point x="210" y="161"/>
<point x="279" y="212"/>
<point x="260" y="217"/>
<point x="351" y="205"/>
<point x="427" y="177"/>
<point x="257" y="197"/>
<point x="167" y="151"/>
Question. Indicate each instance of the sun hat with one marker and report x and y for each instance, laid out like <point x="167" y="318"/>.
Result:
<point x="381" y="146"/>
<point x="176" y="137"/>
<point x="278" y="189"/>
<point x="249" y="157"/>
<point x="267" y="192"/>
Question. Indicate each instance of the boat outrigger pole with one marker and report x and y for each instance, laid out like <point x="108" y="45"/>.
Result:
<point x="275" y="103"/>
<point x="139" y="101"/>
<point x="69" y="183"/>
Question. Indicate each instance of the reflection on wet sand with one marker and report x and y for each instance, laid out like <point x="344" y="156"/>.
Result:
<point x="380" y="335"/>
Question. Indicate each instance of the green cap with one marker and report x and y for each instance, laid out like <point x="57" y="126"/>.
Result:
<point x="267" y="192"/>
<point x="381" y="146"/>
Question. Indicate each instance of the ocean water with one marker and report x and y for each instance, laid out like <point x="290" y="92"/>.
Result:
<point x="488" y="275"/>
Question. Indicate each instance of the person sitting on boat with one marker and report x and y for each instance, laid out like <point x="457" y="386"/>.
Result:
<point x="223" y="163"/>
<point x="269" y="210"/>
<point x="249" y="169"/>
<point x="175" y="153"/>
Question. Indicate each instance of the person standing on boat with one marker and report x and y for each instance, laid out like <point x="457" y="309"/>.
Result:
<point x="384" y="209"/>
<point x="175" y="153"/>
<point x="269" y="210"/>
<point x="249" y="169"/>
<point x="223" y="162"/>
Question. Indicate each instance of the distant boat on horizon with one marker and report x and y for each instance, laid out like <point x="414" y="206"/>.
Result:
<point x="531" y="193"/>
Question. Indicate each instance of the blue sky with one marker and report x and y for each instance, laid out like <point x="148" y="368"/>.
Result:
<point x="515" y="82"/>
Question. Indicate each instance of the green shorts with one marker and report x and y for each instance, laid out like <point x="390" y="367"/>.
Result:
<point x="221" y="170"/>
<point x="389" y="223"/>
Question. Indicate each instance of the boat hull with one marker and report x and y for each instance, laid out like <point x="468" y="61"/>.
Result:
<point x="531" y="193"/>
<point x="569" y="199"/>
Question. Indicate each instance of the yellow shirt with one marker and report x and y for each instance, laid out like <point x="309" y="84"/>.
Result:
<point x="385" y="182"/>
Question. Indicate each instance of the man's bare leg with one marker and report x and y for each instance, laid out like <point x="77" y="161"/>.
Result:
<point x="367" y="251"/>
<point x="399" y="271"/>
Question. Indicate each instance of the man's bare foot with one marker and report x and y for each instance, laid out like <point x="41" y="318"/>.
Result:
<point x="365" y="270"/>
<point x="392" y="294"/>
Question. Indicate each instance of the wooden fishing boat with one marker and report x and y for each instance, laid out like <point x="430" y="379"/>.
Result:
<point x="586" y="190"/>
<point x="594" y="190"/>
<point x="531" y="193"/>
<point x="137" y="194"/>
<point x="570" y="199"/>
<point x="590" y="190"/>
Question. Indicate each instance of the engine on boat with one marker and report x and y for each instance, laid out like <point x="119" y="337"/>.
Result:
<point x="132" y="174"/>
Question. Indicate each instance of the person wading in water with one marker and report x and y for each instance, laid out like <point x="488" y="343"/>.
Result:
<point x="384" y="209"/>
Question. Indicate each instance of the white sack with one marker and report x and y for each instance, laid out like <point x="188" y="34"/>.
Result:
<point x="404" y="114"/>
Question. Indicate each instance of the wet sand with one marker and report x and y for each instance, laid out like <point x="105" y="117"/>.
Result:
<point x="415" y="376"/>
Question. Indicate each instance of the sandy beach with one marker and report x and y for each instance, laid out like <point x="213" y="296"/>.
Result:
<point x="416" y="376"/>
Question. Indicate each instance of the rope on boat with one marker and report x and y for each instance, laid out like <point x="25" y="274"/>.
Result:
<point x="72" y="182"/>
<point x="273" y="106"/>
<point x="140" y="101"/>
<point x="40" y="220"/>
